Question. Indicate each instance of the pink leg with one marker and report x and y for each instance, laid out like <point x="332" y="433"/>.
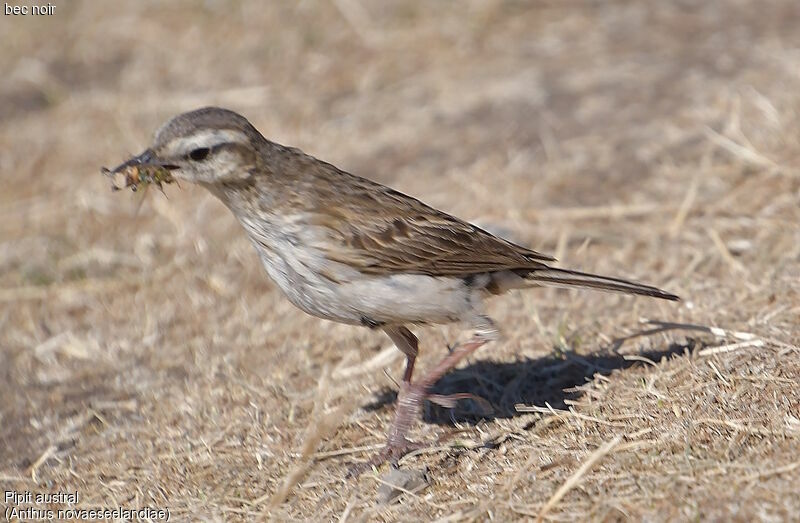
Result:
<point x="410" y="400"/>
<point x="408" y="344"/>
<point x="411" y="395"/>
<point x="451" y="360"/>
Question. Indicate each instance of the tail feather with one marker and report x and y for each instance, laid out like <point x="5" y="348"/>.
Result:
<point x="568" y="278"/>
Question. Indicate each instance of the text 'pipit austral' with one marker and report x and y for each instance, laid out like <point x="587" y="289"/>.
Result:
<point x="350" y="250"/>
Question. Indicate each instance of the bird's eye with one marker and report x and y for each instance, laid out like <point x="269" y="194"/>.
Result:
<point x="199" y="154"/>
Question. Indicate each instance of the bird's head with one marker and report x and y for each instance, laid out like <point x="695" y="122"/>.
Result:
<point x="209" y="146"/>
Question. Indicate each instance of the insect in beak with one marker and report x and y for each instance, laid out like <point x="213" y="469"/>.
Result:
<point x="144" y="169"/>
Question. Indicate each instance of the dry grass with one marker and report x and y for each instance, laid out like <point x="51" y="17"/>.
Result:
<point x="147" y="359"/>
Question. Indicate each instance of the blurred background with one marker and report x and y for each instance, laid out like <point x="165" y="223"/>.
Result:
<point x="145" y="357"/>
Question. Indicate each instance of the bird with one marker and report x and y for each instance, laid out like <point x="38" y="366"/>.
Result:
<point x="348" y="249"/>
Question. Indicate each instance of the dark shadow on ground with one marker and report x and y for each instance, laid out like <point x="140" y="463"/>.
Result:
<point x="531" y="381"/>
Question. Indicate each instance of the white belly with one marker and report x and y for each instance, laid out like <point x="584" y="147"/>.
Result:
<point x="340" y="293"/>
<point x="355" y="298"/>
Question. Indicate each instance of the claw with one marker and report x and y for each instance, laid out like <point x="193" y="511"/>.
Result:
<point x="392" y="453"/>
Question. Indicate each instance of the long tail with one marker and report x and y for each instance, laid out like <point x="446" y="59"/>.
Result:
<point x="568" y="278"/>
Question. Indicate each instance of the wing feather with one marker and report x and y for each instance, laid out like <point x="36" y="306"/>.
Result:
<point x="378" y="230"/>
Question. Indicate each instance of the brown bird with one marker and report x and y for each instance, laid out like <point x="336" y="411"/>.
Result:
<point x="351" y="250"/>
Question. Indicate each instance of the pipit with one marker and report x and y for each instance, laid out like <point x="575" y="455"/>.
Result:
<point x="351" y="250"/>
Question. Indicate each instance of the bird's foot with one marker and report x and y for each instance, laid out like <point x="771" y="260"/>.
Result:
<point x="392" y="453"/>
<point x="409" y="405"/>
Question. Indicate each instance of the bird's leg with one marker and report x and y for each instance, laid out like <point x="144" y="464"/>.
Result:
<point x="461" y="351"/>
<point x="412" y="395"/>
<point x="485" y="332"/>
<point x="408" y="344"/>
<point x="409" y="399"/>
<point x="408" y="404"/>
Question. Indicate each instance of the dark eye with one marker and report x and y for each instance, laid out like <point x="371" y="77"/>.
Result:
<point x="199" y="154"/>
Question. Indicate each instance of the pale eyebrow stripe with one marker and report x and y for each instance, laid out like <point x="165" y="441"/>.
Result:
<point x="209" y="138"/>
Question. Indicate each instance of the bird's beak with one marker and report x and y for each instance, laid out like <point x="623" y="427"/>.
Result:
<point x="146" y="159"/>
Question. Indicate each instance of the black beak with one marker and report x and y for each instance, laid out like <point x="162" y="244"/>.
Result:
<point x="146" y="159"/>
